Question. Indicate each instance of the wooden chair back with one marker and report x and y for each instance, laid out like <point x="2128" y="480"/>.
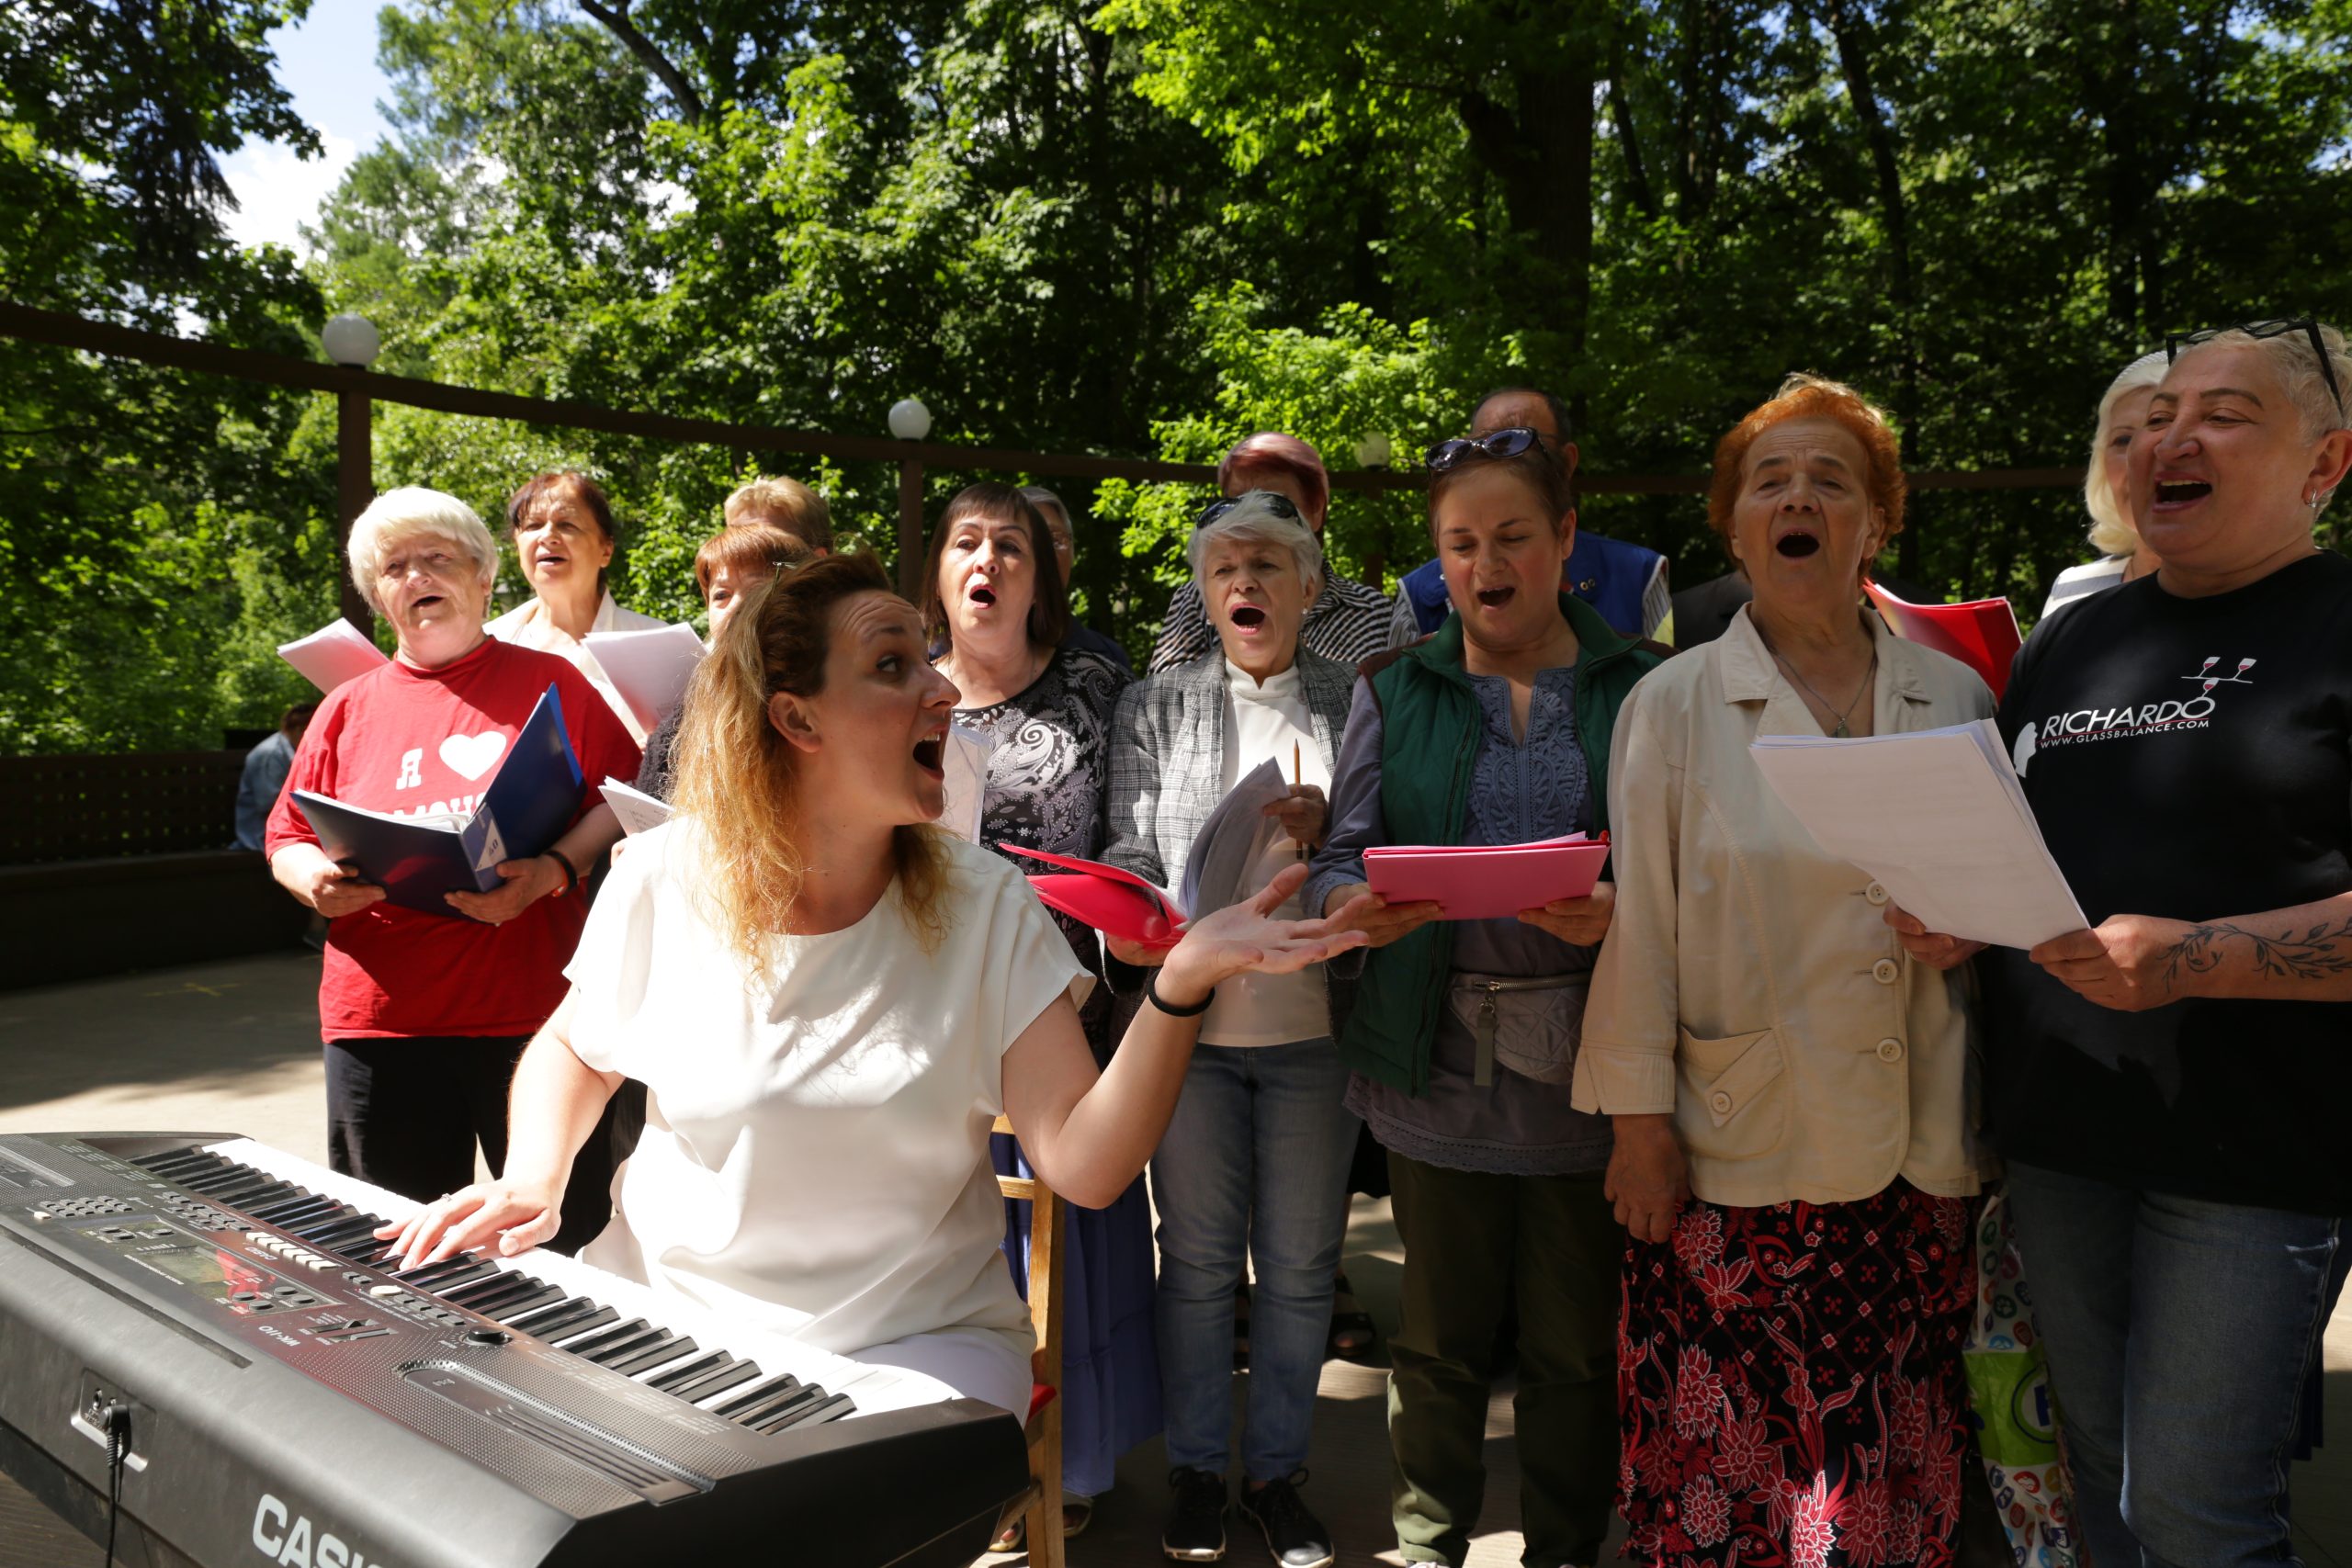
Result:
<point x="1044" y="1496"/>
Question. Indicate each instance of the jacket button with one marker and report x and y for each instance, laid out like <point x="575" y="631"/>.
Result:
<point x="1875" y="893"/>
<point x="1886" y="971"/>
<point x="1719" y="1102"/>
<point x="1890" y="1050"/>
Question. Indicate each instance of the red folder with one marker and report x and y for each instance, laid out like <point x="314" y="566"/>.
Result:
<point x="1980" y="634"/>
<point x="1113" y="901"/>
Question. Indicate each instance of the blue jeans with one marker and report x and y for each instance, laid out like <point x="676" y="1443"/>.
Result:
<point x="2179" y="1333"/>
<point x="1256" y="1157"/>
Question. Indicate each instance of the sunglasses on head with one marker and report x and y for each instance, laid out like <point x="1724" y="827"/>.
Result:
<point x="1273" y="500"/>
<point x="1507" y="443"/>
<point x="2281" y="327"/>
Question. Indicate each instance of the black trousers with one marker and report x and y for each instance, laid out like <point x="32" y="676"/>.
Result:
<point x="405" y="1114"/>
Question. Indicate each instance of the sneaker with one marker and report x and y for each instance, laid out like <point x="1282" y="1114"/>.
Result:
<point x="1195" y="1530"/>
<point x="1295" y="1537"/>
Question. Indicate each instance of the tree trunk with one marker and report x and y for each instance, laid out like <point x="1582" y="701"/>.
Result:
<point x="1849" y="31"/>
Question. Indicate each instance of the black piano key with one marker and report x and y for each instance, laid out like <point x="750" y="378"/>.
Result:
<point x="299" y="1207"/>
<point x="783" y="1383"/>
<point x="822" y="1407"/>
<point x="492" y="1294"/>
<point x="366" y="1246"/>
<point x="734" y="1375"/>
<point x="577" y="1329"/>
<point x="759" y="1409"/>
<point x="233" y="1187"/>
<point x="668" y="1349"/>
<point x="301" y="1212"/>
<point x="337" y="1229"/>
<point x="190" y="1166"/>
<point x="449" y="1271"/>
<point x="679" y="1373"/>
<point x="479" y="1293"/>
<point x="269" y="1193"/>
<point x="175" y="1159"/>
<point x="606" y="1355"/>
<point x="634" y="1329"/>
<point x="555" y="1321"/>
<point x="521" y="1306"/>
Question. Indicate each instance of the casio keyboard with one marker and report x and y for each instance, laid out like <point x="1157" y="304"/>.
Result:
<point x="290" y="1397"/>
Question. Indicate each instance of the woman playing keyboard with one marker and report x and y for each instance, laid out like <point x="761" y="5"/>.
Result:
<point x="829" y="1001"/>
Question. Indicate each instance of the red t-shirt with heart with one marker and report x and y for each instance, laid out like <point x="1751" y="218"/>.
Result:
<point x="405" y="741"/>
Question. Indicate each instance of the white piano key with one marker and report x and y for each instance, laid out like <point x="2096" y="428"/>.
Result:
<point x="873" y="1389"/>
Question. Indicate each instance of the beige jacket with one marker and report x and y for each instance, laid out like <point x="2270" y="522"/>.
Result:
<point x="528" y="625"/>
<point x="1749" y="984"/>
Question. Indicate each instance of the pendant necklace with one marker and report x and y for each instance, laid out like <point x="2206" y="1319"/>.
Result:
<point x="1841" y="731"/>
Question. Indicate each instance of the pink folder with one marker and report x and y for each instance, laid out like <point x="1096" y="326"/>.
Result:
<point x="1980" y="634"/>
<point x="1486" y="882"/>
<point x="1113" y="901"/>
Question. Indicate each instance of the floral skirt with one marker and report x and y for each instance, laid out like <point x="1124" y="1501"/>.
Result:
<point x="1789" y="1380"/>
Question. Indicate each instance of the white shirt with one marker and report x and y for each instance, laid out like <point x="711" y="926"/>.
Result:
<point x="1263" y="722"/>
<point x="528" y="625"/>
<point x="815" y="1156"/>
<point x="2082" y="581"/>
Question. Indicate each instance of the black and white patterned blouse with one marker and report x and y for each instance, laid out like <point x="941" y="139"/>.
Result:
<point x="1047" y="779"/>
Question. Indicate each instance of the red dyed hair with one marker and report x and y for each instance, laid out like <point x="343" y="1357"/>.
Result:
<point x="1803" y="396"/>
<point x="1283" y="454"/>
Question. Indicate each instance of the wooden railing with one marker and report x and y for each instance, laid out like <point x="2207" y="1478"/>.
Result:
<point x="85" y="807"/>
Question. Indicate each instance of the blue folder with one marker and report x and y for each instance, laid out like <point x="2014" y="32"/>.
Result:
<point x="530" y="803"/>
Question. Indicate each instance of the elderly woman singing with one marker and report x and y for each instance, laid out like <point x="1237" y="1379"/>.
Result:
<point x="1793" y="1153"/>
<point x="424" y="1014"/>
<point x="1254" y="1166"/>
<point x="830" y="1000"/>
<point x="2168" y="1086"/>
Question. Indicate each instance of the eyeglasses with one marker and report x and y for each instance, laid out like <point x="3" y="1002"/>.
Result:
<point x="1273" y="501"/>
<point x="1507" y="443"/>
<point x="2281" y="327"/>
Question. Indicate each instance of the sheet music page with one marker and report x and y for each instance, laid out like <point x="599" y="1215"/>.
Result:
<point x="336" y="652"/>
<point x="638" y="811"/>
<point x="964" y="760"/>
<point x="649" y="669"/>
<point x="1229" y="841"/>
<point x="1939" y="818"/>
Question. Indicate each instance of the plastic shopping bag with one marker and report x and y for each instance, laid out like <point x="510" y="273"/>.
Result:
<point x="2008" y="1388"/>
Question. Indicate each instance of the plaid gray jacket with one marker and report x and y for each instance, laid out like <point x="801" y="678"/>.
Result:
<point x="1168" y="754"/>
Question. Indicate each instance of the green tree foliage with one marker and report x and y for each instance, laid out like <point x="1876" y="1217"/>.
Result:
<point x="153" y="526"/>
<point x="1118" y="226"/>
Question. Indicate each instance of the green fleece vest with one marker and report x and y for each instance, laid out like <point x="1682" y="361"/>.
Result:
<point x="1431" y="727"/>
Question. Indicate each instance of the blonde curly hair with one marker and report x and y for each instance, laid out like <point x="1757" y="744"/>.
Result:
<point x="738" y="785"/>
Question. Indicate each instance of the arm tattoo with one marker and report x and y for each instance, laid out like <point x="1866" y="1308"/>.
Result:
<point x="2323" y="949"/>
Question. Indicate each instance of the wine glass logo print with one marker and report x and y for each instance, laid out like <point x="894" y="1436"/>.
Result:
<point x="2207" y="680"/>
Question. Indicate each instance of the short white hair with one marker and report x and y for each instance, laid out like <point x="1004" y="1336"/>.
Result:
<point x="1252" y="519"/>
<point x="2297" y="369"/>
<point x="2112" y="530"/>
<point x="399" y="516"/>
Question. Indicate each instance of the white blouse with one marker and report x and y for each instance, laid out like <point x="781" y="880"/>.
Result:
<point x="1263" y="722"/>
<point x="528" y="625"/>
<point x="815" y="1160"/>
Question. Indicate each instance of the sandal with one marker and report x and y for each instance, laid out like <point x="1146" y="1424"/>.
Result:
<point x="1077" y="1514"/>
<point x="1352" y="1331"/>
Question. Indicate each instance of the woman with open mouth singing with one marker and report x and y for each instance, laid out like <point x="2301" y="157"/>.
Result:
<point x="1495" y="729"/>
<point x="995" y="598"/>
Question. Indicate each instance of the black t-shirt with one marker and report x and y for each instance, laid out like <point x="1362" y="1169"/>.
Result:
<point x="2188" y="759"/>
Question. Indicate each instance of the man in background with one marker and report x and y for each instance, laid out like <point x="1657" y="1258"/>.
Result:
<point x="267" y="766"/>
